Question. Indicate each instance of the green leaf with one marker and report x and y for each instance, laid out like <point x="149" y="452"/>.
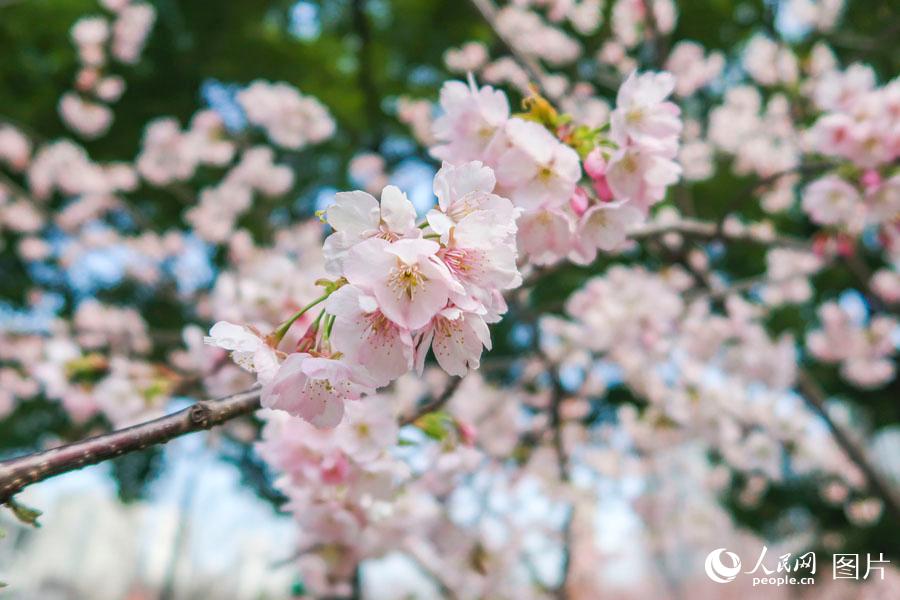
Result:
<point x="436" y="425"/>
<point x="26" y="514"/>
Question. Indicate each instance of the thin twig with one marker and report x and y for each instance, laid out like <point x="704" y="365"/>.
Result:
<point x="815" y="397"/>
<point x="706" y="229"/>
<point x="432" y="404"/>
<point x="18" y="473"/>
<point x="528" y="63"/>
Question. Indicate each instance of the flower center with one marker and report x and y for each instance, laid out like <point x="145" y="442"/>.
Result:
<point x="634" y="116"/>
<point x="455" y="259"/>
<point x="545" y="174"/>
<point x="406" y="279"/>
<point x="378" y="323"/>
<point x="629" y="163"/>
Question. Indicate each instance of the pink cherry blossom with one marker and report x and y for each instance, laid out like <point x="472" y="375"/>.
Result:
<point x="545" y="236"/>
<point x="315" y="388"/>
<point x="369" y="428"/>
<point x="464" y="190"/>
<point x="537" y="170"/>
<point x="357" y="216"/>
<point x="89" y="119"/>
<point x="406" y="277"/>
<point x="247" y="348"/>
<point x="456" y="338"/>
<point x="640" y="176"/>
<point x="15" y="149"/>
<point x="603" y="226"/>
<point x="290" y="119"/>
<point x="366" y="337"/>
<point x="472" y="124"/>
<point x="832" y="201"/>
<point x="642" y="116"/>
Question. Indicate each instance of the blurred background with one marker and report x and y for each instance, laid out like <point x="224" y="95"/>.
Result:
<point x="198" y="518"/>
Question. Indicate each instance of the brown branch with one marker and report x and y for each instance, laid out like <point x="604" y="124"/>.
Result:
<point x="815" y="397"/>
<point x="431" y="404"/>
<point x="18" y="473"/>
<point x="528" y="63"/>
<point x="656" y="40"/>
<point x="706" y="229"/>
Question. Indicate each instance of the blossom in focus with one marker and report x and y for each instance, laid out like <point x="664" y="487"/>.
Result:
<point x="315" y="388"/>
<point x="471" y="127"/>
<point x="357" y="216"/>
<point x="366" y="337"/>
<point x="537" y="170"/>
<point x="456" y="339"/>
<point x="247" y="348"/>
<point x="406" y="277"/>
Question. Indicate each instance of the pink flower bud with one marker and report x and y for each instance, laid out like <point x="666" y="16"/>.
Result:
<point x="601" y="187"/>
<point x="845" y="245"/>
<point x="820" y="245"/>
<point x="86" y="79"/>
<point x="595" y="167"/>
<point x="335" y="470"/>
<point x="466" y="433"/>
<point x="579" y="201"/>
<point x="871" y="180"/>
<point x="595" y="164"/>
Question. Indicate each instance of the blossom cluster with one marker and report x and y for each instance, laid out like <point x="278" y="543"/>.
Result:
<point x="290" y="119"/>
<point x="718" y="377"/>
<point x="860" y="120"/>
<point x="402" y="289"/>
<point x="85" y="109"/>
<point x="863" y="350"/>
<point x="540" y="171"/>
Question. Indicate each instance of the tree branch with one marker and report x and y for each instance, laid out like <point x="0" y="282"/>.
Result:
<point x="530" y="65"/>
<point x="815" y="397"/>
<point x="706" y="229"/>
<point x="18" y="473"/>
<point x="431" y="404"/>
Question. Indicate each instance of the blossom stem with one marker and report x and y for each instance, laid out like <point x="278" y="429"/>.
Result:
<point x="282" y="329"/>
<point x="329" y="323"/>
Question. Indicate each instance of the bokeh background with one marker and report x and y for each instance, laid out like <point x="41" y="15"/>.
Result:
<point x="198" y="518"/>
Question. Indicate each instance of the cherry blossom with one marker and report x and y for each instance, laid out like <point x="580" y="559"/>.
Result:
<point x="406" y="277"/>
<point x="357" y="216"/>
<point x="315" y="388"/>
<point x="537" y="170"/>
<point x="366" y="337"/>
<point x="290" y="119"/>
<point x="248" y="349"/>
